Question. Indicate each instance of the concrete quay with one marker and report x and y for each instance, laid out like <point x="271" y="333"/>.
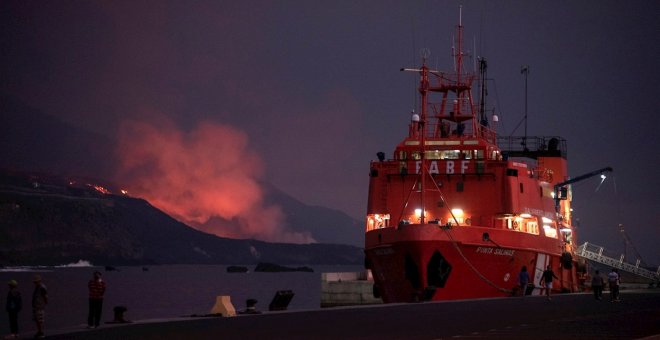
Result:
<point x="566" y="316"/>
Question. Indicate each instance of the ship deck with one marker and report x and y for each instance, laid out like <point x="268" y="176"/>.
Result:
<point x="566" y="316"/>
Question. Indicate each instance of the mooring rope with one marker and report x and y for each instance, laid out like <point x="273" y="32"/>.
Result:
<point x="460" y="252"/>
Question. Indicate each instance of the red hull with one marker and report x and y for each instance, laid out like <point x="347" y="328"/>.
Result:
<point x="427" y="262"/>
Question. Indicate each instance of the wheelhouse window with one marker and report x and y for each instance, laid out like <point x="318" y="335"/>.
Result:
<point x="525" y="223"/>
<point x="378" y="221"/>
<point x="550" y="230"/>
<point x="442" y="154"/>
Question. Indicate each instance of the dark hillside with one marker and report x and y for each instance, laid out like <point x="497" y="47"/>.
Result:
<point x="48" y="223"/>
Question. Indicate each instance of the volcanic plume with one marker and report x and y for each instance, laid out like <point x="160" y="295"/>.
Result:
<point x="206" y="177"/>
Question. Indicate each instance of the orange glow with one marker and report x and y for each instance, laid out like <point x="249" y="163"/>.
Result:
<point x="99" y="189"/>
<point x="206" y="177"/>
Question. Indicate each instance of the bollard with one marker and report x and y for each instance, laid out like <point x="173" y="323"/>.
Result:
<point x="119" y="314"/>
<point x="250" y="307"/>
<point x="223" y="306"/>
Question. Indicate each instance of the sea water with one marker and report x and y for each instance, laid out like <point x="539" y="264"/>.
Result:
<point x="157" y="292"/>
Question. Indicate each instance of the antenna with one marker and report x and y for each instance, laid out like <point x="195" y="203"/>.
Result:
<point x="460" y="15"/>
<point x="484" y="91"/>
<point x="414" y="58"/>
<point x="525" y="70"/>
<point x="474" y="53"/>
<point x="453" y="51"/>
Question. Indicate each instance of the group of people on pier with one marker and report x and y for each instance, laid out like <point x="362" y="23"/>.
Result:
<point x="597" y="283"/>
<point x="14" y="304"/>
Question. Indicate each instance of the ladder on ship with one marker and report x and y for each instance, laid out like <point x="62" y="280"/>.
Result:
<point x="594" y="253"/>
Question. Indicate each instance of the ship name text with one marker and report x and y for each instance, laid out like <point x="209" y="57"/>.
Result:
<point x="495" y="251"/>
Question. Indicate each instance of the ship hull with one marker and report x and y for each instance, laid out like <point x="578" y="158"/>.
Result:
<point x="429" y="262"/>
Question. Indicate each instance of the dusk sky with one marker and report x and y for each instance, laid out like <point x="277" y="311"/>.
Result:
<point x="303" y="94"/>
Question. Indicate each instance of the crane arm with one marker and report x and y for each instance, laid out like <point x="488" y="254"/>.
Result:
<point x="560" y="185"/>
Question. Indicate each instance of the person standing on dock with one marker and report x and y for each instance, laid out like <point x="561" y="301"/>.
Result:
<point x="613" y="280"/>
<point x="597" y="284"/>
<point x="523" y="280"/>
<point x="39" y="302"/>
<point x="13" y="306"/>
<point x="546" y="281"/>
<point x="96" y="290"/>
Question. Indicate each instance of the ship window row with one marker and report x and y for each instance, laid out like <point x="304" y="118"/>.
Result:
<point x="521" y="223"/>
<point x="450" y="154"/>
<point x="444" y="154"/>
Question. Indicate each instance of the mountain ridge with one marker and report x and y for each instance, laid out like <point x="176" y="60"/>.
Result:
<point x="46" y="223"/>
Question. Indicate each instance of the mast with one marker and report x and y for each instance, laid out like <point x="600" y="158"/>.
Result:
<point x="483" y="120"/>
<point x="423" y="90"/>
<point x="525" y="70"/>
<point x="442" y="84"/>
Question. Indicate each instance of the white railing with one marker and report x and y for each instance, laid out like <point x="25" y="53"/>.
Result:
<point x="595" y="253"/>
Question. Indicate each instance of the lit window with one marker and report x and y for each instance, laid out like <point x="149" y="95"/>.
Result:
<point x="550" y="231"/>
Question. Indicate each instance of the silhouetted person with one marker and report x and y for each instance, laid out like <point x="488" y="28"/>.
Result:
<point x="523" y="279"/>
<point x="546" y="278"/>
<point x="13" y="306"/>
<point x="597" y="284"/>
<point x="39" y="302"/>
<point x="96" y="290"/>
<point x="613" y="280"/>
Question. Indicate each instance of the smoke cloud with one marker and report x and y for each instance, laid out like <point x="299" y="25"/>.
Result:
<point x="206" y="177"/>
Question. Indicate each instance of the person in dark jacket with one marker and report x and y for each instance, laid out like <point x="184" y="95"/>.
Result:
<point x="546" y="280"/>
<point x="39" y="302"/>
<point x="14" y="304"/>
<point x="96" y="290"/>
<point x="597" y="284"/>
<point x="523" y="279"/>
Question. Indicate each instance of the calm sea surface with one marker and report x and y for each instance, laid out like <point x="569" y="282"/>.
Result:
<point x="161" y="292"/>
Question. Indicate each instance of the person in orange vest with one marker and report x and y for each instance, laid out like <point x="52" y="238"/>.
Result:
<point x="96" y="290"/>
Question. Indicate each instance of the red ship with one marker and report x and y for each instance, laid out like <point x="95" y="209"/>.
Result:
<point x="457" y="211"/>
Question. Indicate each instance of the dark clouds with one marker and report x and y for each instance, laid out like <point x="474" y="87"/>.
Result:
<point x="315" y="88"/>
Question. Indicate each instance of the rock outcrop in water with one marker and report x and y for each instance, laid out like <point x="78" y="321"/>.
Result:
<point x="276" y="268"/>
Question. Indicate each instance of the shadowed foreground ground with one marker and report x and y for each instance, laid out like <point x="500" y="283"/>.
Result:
<point x="566" y="316"/>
